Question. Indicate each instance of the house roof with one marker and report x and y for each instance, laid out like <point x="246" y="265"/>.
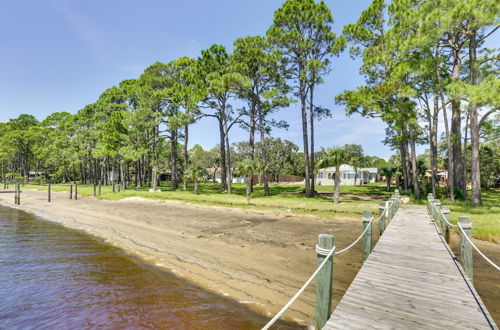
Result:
<point x="369" y="169"/>
<point x="349" y="168"/>
<point x="343" y="168"/>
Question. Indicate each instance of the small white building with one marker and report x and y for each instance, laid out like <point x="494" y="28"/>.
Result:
<point x="348" y="176"/>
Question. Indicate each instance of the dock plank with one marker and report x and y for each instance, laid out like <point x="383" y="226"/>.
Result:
<point x="410" y="281"/>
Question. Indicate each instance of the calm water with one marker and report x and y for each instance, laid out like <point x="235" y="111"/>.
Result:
<point x="52" y="277"/>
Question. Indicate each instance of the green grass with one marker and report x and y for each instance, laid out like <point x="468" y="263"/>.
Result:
<point x="283" y="198"/>
<point x="485" y="218"/>
<point x="286" y="198"/>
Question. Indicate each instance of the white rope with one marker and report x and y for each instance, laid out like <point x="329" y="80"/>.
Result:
<point x="477" y="249"/>
<point x="447" y="222"/>
<point x="357" y="239"/>
<point x="277" y="316"/>
<point x="324" y="252"/>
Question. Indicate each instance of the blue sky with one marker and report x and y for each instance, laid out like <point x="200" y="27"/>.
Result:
<point x="60" y="55"/>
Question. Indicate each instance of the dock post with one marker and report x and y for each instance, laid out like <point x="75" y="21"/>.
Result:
<point x="76" y="191"/>
<point x="465" y="246"/>
<point x="367" y="237"/>
<point x="99" y="189"/>
<point x="94" y="190"/>
<point x="437" y="210"/>
<point x="324" y="282"/>
<point x="48" y="192"/>
<point x="446" y="227"/>
<point x="16" y="193"/>
<point x="381" y="222"/>
<point x="70" y="191"/>
<point x="389" y="210"/>
<point x="113" y="185"/>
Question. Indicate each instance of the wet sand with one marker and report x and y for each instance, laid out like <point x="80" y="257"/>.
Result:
<point x="256" y="258"/>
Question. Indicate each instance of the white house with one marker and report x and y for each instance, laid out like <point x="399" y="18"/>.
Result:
<point x="348" y="176"/>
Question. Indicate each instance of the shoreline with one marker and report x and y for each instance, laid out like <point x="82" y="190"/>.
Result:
<point x="255" y="258"/>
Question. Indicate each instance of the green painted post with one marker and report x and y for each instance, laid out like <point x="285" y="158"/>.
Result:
<point x="48" y="192"/>
<point x="381" y="222"/>
<point x="446" y="227"/>
<point x="16" y="193"/>
<point x="437" y="207"/>
<point x="465" y="246"/>
<point x="76" y="192"/>
<point x="367" y="237"/>
<point x="324" y="283"/>
<point x="437" y="218"/>
<point x="389" y="210"/>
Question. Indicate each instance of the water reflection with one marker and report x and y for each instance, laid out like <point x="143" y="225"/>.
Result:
<point x="53" y="277"/>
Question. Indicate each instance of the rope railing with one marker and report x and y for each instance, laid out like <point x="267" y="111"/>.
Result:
<point x="436" y="211"/>
<point x="477" y="249"/>
<point x="388" y="212"/>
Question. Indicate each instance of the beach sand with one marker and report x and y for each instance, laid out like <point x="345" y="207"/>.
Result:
<point x="257" y="258"/>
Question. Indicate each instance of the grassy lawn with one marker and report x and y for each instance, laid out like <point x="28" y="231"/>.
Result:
<point x="287" y="198"/>
<point x="283" y="198"/>
<point x="485" y="218"/>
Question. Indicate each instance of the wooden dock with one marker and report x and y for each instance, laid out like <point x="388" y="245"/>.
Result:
<point x="410" y="281"/>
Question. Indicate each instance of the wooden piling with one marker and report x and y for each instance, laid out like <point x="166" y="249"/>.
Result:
<point x="95" y="189"/>
<point x="48" y="192"/>
<point x="324" y="282"/>
<point x="99" y="189"/>
<point x="390" y="202"/>
<point x="367" y="237"/>
<point x="76" y="191"/>
<point x="437" y="211"/>
<point x="381" y="222"/>
<point x="70" y="191"/>
<point x="446" y="227"/>
<point x="465" y="246"/>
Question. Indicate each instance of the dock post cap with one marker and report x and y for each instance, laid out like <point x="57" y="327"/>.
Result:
<point x="367" y="216"/>
<point x="464" y="221"/>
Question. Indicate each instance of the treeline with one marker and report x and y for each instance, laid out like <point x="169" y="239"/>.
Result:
<point x="423" y="59"/>
<point x="420" y="59"/>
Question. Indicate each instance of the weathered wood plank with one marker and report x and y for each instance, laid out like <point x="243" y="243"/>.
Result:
<point x="409" y="281"/>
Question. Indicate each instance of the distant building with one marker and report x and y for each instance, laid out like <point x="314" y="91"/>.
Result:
<point x="348" y="176"/>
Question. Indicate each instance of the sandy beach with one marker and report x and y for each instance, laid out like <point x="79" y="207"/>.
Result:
<point x="254" y="257"/>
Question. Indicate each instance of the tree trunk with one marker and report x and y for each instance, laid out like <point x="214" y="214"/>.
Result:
<point x="416" y="188"/>
<point x="173" y="159"/>
<point x="251" y="138"/>
<point x="186" y="155"/>
<point x="223" y="168"/>
<point x="305" y="138"/>
<point x="474" y="127"/>
<point x="336" y="191"/>
<point x="403" y="164"/>
<point x="228" y="159"/>
<point x="456" y="148"/>
<point x="265" y="174"/>
<point x="311" y="119"/>
<point x="433" y="128"/>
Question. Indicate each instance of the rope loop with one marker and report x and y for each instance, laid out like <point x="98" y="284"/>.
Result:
<point x="325" y="252"/>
